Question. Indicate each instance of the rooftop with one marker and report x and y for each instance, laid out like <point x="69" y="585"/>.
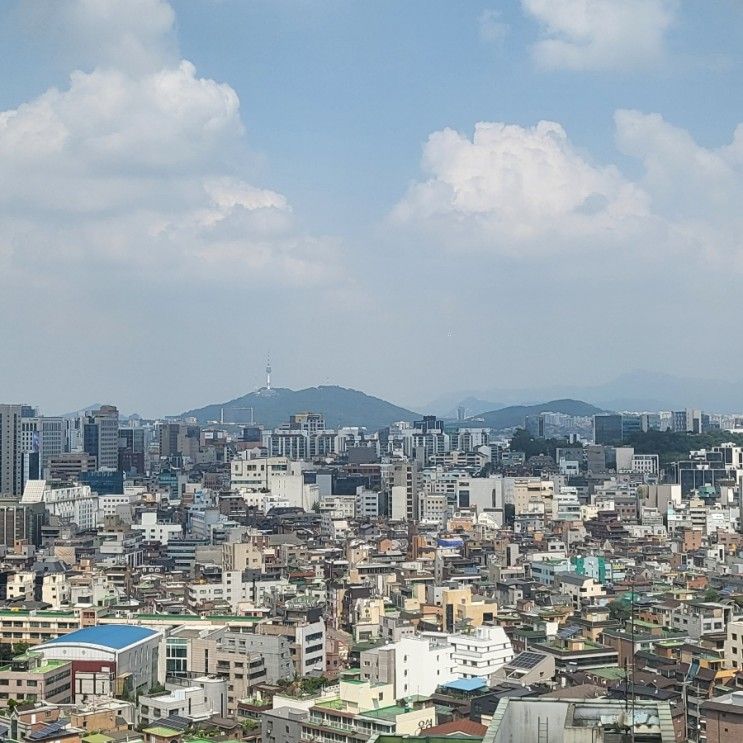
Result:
<point x="472" y="684"/>
<point x="161" y="731"/>
<point x="115" y="636"/>
<point x="386" y="713"/>
<point x="43" y="667"/>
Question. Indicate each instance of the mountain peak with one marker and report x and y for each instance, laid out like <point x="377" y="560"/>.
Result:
<point x="341" y="406"/>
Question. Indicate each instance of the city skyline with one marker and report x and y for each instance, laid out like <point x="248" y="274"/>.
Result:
<point x="550" y="195"/>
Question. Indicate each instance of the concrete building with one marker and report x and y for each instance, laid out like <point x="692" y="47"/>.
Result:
<point x="274" y="650"/>
<point x="197" y="701"/>
<point x="358" y="711"/>
<point x="582" y="589"/>
<point x="68" y="467"/>
<point x="306" y="640"/>
<point x="422" y="664"/>
<point x="526" y="668"/>
<point x="481" y="653"/>
<point x="545" y="720"/>
<point x="107" y="659"/>
<point x="698" y="618"/>
<point x="405" y="482"/>
<point x="29" y="677"/>
<point x="482" y="494"/>
<point x="101" y="436"/>
<point x="21" y="522"/>
<point x="721" y="718"/>
<point x="35" y="626"/>
<point x="11" y="460"/>
<point x="41" y="439"/>
<point x="734" y="644"/>
<point x="153" y="531"/>
<point x="75" y="504"/>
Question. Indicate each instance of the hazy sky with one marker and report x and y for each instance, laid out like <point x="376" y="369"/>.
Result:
<point x="404" y="196"/>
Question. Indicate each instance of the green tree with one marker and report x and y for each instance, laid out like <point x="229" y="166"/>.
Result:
<point x="619" y="610"/>
<point x="313" y="684"/>
<point x="523" y="441"/>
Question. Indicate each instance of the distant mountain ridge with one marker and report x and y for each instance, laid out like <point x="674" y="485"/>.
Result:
<point x="513" y="416"/>
<point x="638" y="390"/>
<point x="341" y="406"/>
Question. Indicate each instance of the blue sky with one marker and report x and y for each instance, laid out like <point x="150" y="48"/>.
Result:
<point x="339" y="96"/>
<point x="309" y="185"/>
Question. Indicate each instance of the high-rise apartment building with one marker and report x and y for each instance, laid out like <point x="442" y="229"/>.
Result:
<point x="11" y="457"/>
<point x="405" y="474"/>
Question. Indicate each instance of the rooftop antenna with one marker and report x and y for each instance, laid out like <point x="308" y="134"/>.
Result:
<point x="268" y="372"/>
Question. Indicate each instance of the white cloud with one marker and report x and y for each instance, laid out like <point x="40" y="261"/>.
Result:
<point x="697" y="190"/>
<point x="132" y="35"/>
<point x="510" y="189"/>
<point x="492" y="27"/>
<point x="523" y="192"/>
<point x="600" y="34"/>
<point x="138" y="168"/>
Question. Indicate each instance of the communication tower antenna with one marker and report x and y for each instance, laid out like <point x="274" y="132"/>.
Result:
<point x="268" y="373"/>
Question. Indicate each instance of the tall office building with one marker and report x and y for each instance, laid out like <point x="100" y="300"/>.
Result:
<point x="41" y="439"/>
<point x="101" y="436"/>
<point x="689" y="421"/>
<point x="21" y="521"/>
<point x="132" y="450"/>
<point x="11" y="457"/>
<point x="631" y="425"/>
<point x="607" y="429"/>
<point x="178" y="439"/>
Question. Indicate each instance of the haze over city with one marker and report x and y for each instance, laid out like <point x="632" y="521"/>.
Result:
<point x="370" y="371"/>
<point x="411" y="199"/>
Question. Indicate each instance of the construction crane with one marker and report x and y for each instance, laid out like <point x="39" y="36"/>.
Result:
<point x="223" y="422"/>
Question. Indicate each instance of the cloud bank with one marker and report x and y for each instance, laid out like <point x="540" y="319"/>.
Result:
<point x="138" y="166"/>
<point x="600" y="34"/>
<point x="528" y="191"/>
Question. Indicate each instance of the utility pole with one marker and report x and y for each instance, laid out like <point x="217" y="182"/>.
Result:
<point x="632" y="635"/>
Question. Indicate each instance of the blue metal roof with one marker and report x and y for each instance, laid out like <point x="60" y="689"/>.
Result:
<point x="115" y="636"/>
<point x="465" y="684"/>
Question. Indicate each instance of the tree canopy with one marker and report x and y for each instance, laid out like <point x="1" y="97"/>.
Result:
<point x="523" y="441"/>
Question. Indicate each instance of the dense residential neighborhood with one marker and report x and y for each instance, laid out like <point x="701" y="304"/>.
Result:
<point x="168" y="581"/>
<point x="368" y="371"/>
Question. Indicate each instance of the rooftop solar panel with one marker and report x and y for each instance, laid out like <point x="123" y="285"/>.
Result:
<point x="527" y="660"/>
<point x="570" y="631"/>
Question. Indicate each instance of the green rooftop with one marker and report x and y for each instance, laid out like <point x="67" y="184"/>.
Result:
<point x="386" y="713"/>
<point x="609" y="672"/>
<point x="334" y="703"/>
<point x="194" y="618"/>
<point x="44" y="667"/>
<point x="161" y="731"/>
<point x="97" y="738"/>
<point x="41" y="613"/>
